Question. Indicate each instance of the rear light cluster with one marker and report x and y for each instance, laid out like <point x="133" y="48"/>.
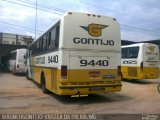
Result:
<point x="17" y="66"/>
<point x="63" y="72"/>
<point x="119" y="71"/>
<point x="141" y="67"/>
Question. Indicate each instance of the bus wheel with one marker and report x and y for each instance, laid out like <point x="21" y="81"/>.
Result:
<point x="158" y="88"/>
<point x="43" y="84"/>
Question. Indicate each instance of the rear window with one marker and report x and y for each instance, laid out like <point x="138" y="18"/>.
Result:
<point x="12" y="56"/>
<point x="130" y="52"/>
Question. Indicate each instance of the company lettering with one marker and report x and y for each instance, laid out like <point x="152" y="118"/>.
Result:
<point x="78" y="40"/>
<point x="40" y="60"/>
<point x="130" y="62"/>
<point x="151" y="53"/>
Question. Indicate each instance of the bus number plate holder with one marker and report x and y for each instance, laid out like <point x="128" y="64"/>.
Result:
<point x="97" y="89"/>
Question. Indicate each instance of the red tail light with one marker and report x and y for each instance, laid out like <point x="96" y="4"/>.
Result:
<point x="17" y="66"/>
<point x="14" y="66"/>
<point x="141" y="67"/>
<point x="119" y="71"/>
<point x="64" y="72"/>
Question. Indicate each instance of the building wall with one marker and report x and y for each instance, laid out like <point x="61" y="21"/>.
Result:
<point x="7" y="38"/>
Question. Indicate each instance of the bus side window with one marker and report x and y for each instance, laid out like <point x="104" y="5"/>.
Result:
<point x="48" y="40"/>
<point x="44" y="42"/>
<point x="53" y="38"/>
<point x="33" y="48"/>
<point x="57" y="37"/>
<point x="37" y="47"/>
<point x="41" y="44"/>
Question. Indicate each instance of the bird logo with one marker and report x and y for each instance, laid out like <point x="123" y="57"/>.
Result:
<point x="151" y="48"/>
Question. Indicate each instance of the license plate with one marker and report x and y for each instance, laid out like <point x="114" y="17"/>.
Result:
<point x="97" y="89"/>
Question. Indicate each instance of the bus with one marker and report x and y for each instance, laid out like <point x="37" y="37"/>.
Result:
<point x="140" y="61"/>
<point x="16" y="61"/>
<point x="78" y="55"/>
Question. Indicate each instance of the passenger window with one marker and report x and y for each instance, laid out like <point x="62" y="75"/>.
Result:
<point x="53" y="41"/>
<point x="44" y="42"/>
<point x="53" y="38"/>
<point x="41" y="44"/>
<point x="37" y="47"/>
<point x="48" y="40"/>
<point x="57" y="37"/>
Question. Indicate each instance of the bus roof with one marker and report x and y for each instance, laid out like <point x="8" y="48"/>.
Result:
<point x="18" y="49"/>
<point x="137" y="44"/>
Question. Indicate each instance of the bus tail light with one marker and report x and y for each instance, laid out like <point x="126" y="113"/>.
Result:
<point x="119" y="71"/>
<point x="141" y="67"/>
<point x="63" y="72"/>
<point x="14" y="67"/>
<point x="17" y="65"/>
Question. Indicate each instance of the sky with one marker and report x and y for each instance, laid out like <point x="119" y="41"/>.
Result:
<point x="139" y="19"/>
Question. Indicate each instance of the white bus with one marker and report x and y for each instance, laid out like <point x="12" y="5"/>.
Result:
<point x="16" y="61"/>
<point x="79" y="55"/>
<point x="140" y="61"/>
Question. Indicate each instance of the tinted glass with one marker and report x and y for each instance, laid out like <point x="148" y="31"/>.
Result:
<point x="130" y="52"/>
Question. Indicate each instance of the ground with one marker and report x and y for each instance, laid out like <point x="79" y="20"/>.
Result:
<point x="19" y="95"/>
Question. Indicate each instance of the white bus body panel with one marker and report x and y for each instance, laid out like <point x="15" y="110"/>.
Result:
<point x="71" y="27"/>
<point x="87" y="46"/>
<point x="18" y="65"/>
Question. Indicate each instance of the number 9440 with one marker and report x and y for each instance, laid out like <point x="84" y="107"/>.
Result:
<point x="94" y="63"/>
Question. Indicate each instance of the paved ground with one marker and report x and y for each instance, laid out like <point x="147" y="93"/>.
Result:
<point x="19" y="95"/>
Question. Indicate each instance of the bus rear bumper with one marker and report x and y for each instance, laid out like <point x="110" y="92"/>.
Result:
<point x="85" y="90"/>
<point x="150" y="76"/>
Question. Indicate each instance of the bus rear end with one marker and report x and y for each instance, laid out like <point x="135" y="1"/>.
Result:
<point x="90" y="49"/>
<point x="150" y="63"/>
<point x="19" y="66"/>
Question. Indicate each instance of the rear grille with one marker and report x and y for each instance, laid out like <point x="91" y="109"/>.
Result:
<point x="91" y="83"/>
<point x="132" y="71"/>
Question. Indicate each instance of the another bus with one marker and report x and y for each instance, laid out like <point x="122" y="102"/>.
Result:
<point x="140" y="61"/>
<point x="16" y="61"/>
<point x="78" y="55"/>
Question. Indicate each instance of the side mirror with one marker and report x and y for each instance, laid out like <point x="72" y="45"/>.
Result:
<point x="24" y="56"/>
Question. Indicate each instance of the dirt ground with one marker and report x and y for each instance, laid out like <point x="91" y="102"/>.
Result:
<point x="19" y="95"/>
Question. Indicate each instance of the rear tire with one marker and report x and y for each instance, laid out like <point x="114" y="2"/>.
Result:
<point x="158" y="87"/>
<point x="43" y="84"/>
